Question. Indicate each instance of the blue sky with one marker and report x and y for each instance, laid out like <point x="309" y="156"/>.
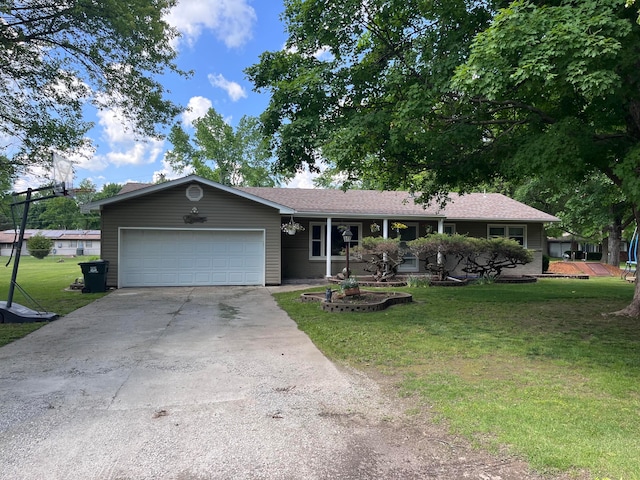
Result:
<point x="220" y="39"/>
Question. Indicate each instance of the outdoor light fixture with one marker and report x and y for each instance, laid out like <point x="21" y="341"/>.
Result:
<point x="347" y="236"/>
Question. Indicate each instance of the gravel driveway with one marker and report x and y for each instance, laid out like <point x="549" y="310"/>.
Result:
<point x="206" y="383"/>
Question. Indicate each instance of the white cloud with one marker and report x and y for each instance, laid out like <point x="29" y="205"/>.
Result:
<point x="231" y="21"/>
<point x="197" y="108"/>
<point x="233" y="89"/>
<point x="302" y="179"/>
<point x="126" y="148"/>
<point x="140" y="153"/>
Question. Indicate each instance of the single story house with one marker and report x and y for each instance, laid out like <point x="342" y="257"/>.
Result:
<point x="193" y="231"/>
<point x="66" y="243"/>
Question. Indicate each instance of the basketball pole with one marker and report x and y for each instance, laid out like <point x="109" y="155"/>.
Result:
<point x="16" y="261"/>
<point x="9" y="313"/>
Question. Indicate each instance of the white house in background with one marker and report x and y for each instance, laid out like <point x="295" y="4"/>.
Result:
<point x="66" y="243"/>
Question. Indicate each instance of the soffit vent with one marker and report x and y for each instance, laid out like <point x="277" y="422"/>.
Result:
<point x="194" y="192"/>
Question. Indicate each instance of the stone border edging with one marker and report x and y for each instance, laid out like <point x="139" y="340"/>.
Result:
<point x="395" y="299"/>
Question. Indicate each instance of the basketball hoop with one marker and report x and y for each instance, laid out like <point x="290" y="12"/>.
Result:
<point x="62" y="175"/>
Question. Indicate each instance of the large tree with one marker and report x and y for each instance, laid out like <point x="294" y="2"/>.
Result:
<point x="366" y="85"/>
<point x="57" y="56"/>
<point x="217" y="152"/>
<point x="440" y="96"/>
<point x="558" y="86"/>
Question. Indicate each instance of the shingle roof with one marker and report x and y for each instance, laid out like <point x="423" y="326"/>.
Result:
<point x="9" y="236"/>
<point x="472" y="206"/>
<point x="375" y="204"/>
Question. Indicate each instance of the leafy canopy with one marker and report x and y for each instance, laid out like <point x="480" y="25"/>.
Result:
<point x="56" y="57"/>
<point x="217" y="152"/>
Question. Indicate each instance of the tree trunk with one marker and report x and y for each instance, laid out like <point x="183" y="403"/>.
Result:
<point x="633" y="309"/>
<point x="615" y="235"/>
<point x="605" y="251"/>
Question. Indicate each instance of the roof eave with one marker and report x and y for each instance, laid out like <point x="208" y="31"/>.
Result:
<point x="283" y="209"/>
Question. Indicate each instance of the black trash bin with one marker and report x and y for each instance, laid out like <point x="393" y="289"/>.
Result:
<point x="95" y="276"/>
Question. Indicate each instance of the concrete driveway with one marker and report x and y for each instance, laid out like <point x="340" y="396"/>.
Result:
<point x="203" y="383"/>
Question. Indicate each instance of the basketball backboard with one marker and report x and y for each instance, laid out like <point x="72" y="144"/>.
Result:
<point x="62" y="175"/>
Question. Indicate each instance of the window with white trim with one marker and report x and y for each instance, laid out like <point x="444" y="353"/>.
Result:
<point x="514" y="232"/>
<point x="410" y="263"/>
<point x="318" y="239"/>
<point x="449" y="228"/>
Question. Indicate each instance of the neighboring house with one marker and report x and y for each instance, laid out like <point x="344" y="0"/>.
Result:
<point x="65" y="242"/>
<point x="558" y="247"/>
<point x="194" y="231"/>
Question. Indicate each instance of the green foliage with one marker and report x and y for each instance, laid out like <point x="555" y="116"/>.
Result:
<point x="382" y="256"/>
<point x="110" y="54"/>
<point x="371" y="105"/>
<point x="482" y="256"/>
<point x="349" y="282"/>
<point x="63" y="213"/>
<point x="39" y="246"/>
<point x="546" y="260"/>
<point x="216" y="152"/>
<point x="378" y="246"/>
<point x="417" y="281"/>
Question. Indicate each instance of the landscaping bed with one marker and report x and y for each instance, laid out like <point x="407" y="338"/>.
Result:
<point x="365" y="302"/>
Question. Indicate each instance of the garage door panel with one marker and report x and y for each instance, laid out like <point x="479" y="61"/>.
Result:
<point x="183" y="258"/>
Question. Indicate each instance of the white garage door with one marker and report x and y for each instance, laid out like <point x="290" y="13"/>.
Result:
<point x="154" y="258"/>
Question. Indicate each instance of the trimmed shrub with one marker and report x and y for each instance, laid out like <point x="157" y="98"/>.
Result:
<point x="39" y="246"/>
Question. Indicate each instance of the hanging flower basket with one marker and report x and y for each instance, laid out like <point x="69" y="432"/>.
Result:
<point x="291" y="228"/>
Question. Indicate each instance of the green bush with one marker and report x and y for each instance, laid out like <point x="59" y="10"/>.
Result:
<point x="545" y="263"/>
<point x="39" y="246"/>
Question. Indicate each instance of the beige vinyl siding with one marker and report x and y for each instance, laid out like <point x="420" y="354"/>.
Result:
<point x="166" y="209"/>
<point x="296" y="262"/>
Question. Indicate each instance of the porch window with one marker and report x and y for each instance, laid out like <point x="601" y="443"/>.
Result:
<point x="318" y="237"/>
<point x="514" y="232"/>
<point x="449" y="228"/>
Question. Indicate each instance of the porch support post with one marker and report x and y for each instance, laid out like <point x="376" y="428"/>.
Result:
<point x="441" y="225"/>
<point x="385" y="228"/>
<point x="328" y="245"/>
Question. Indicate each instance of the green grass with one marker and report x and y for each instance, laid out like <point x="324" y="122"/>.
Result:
<point x="534" y="367"/>
<point x="45" y="281"/>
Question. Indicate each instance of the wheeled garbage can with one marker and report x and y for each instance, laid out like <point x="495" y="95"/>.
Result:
<point x="95" y="276"/>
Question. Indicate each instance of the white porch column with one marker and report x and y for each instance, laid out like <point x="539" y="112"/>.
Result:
<point x="385" y="228"/>
<point x="441" y="225"/>
<point x="328" y="245"/>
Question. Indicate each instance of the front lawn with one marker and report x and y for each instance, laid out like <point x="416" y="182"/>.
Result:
<point x="46" y="281"/>
<point x="534" y="367"/>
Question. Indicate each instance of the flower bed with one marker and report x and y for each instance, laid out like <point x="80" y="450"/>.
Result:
<point x="367" y="301"/>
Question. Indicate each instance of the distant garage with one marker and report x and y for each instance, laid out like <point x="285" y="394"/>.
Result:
<point x="152" y="257"/>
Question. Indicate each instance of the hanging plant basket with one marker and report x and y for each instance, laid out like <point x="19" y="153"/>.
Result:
<point x="291" y="228"/>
